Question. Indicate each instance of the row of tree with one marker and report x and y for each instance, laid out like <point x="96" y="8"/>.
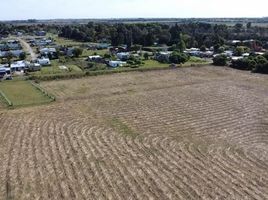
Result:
<point x="254" y="63"/>
<point x="193" y="34"/>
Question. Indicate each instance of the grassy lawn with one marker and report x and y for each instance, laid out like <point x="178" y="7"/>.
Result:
<point x="196" y="61"/>
<point x="153" y="64"/>
<point x="63" y="41"/>
<point x="156" y="64"/>
<point x="22" y="93"/>
<point x="54" y="68"/>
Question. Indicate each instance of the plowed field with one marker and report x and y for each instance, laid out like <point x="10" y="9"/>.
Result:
<point x="193" y="133"/>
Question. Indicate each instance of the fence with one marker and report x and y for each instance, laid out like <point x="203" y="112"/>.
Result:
<point x="38" y="87"/>
<point x="9" y="103"/>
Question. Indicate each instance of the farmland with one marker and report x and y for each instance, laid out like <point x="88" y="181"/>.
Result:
<point x="187" y="133"/>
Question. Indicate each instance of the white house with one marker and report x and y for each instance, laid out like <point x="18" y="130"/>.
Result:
<point x="123" y="55"/>
<point x="43" y="61"/>
<point x="117" y="63"/>
<point x="2" y="72"/>
<point x="163" y="56"/>
<point x="34" y="67"/>
<point x="19" y="66"/>
<point x="48" y="50"/>
<point x="95" y="58"/>
<point x="16" y="53"/>
<point x="234" y="58"/>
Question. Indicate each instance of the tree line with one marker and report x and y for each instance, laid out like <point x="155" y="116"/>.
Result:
<point x="193" y="34"/>
<point x="147" y="34"/>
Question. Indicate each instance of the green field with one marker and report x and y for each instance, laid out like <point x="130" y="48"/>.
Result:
<point x="156" y="64"/>
<point x="63" y="41"/>
<point x="22" y="93"/>
<point x="54" y="68"/>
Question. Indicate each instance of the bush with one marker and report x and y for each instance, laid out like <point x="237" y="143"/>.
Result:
<point x="220" y="60"/>
<point x="261" y="68"/>
<point x="134" y="61"/>
<point x="244" y="64"/>
<point x="178" y="58"/>
<point x="77" y="52"/>
<point x="146" y="56"/>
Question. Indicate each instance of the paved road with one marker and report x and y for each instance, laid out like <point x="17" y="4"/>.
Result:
<point x="28" y="48"/>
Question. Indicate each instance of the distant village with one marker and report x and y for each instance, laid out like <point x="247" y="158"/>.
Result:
<point x="25" y="54"/>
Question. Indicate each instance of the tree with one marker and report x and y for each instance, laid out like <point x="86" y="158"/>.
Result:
<point x="240" y="50"/>
<point x="203" y="48"/>
<point x="244" y="64"/>
<point x="220" y="60"/>
<point x="261" y="68"/>
<point x="249" y="25"/>
<point x="260" y="60"/>
<point x="178" y="58"/>
<point x="9" y="57"/>
<point x="77" y="52"/>
<point x="146" y="56"/>
<point x="22" y="56"/>
<point x="238" y="27"/>
<point x="180" y="46"/>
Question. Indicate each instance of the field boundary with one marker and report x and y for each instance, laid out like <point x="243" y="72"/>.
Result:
<point x="6" y="100"/>
<point x="105" y="72"/>
<point x="43" y="91"/>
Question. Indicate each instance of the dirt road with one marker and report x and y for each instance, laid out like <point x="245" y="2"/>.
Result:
<point x="28" y="48"/>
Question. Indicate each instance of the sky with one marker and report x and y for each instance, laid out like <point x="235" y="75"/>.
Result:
<point x="62" y="9"/>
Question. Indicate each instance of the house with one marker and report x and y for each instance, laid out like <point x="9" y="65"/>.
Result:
<point x="13" y="46"/>
<point x="95" y="58"/>
<point x="34" y="67"/>
<point x="228" y="53"/>
<point x="69" y="51"/>
<point x="43" y="61"/>
<point x="16" y="53"/>
<point x="5" y="73"/>
<point x="193" y="52"/>
<point x="234" y="42"/>
<point x="46" y="51"/>
<point x="207" y="54"/>
<point x="41" y="42"/>
<point x="3" y="47"/>
<point x="2" y="72"/>
<point x="234" y="58"/>
<point x="19" y="66"/>
<point x="40" y="33"/>
<point x="123" y="56"/>
<point x="3" y="54"/>
<point x="49" y="53"/>
<point x="117" y="63"/>
<point x="163" y="56"/>
<point x="245" y="54"/>
<point x="103" y="46"/>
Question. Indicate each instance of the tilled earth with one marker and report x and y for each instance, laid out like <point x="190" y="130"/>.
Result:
<point x="192" y="133"/>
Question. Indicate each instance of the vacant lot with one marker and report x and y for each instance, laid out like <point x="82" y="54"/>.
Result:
<point x="190" y="133"/>
<point x="22" y="93"/>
